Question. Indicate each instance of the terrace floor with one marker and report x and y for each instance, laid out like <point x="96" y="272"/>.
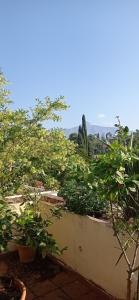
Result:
<point x="47" y="279"/>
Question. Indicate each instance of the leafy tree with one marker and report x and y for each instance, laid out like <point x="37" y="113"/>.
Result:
<point x="74" y="137"/>
<point x="118" y="183"/>
<point x="28" y="151"/>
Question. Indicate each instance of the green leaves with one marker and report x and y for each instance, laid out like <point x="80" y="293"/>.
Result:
<point x="28" y="151"/>
<point x="32" y="229"/>
<point x="46" y="110"/>
<point x="82" y="198"/>
<point x="117" y="175"/>
<point x="7" y="218"/>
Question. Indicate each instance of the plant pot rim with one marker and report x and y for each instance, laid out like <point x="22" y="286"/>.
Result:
<point x="20" y="285"/>
<point x="22" y="288"/>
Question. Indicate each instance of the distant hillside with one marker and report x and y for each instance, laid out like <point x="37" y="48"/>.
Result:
<point x="92" y="129"/>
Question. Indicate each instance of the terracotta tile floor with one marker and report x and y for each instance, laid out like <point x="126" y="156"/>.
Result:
<point x="48" y="280"/>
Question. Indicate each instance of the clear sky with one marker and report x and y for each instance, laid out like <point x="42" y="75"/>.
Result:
<point x="86" y="50"/>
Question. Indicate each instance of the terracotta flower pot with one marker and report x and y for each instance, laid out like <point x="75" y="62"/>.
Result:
<point x="22" y="288"/>
<point x="17" y="286"/>
<point x="26" y="253"/>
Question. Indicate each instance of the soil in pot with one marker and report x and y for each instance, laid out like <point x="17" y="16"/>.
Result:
<point x="10" y="289"/>
<point x="26" y="254"/>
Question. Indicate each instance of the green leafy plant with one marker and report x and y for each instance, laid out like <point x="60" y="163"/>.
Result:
<point x="81" y="197"/>
<point x="28" y="150"/>
<point x="32" y="229"/>
<point x="7" y="218"/>
<point x="118" y="183"/>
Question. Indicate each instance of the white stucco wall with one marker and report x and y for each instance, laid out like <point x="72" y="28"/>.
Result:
<point x="92" y="250"/>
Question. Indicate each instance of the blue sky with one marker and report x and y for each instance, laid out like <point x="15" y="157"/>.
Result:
<point x="86" y="50"/>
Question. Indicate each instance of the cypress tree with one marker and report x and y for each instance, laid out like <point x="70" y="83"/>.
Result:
<point x="84" y="131"/>
<point x="80" y="136"/>
<point x="83" y="138"/>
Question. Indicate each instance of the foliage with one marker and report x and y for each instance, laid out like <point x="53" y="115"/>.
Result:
<point x="136" y="140"/>
<point x="82" y="137"/>
<point x="74" y="169"/>
<point x="7" y="218"/>
<point x="100" y="144"/>
<point x="82" y="199"/>
<point x="80" y="192"/>
<point x="90" y="145"/>
<point x="32" y="230"/>
<point x="28" y="151"/>
<point x="96" y="145"/>
<point x="118" y="183"/>
<point x="74" y="137"/>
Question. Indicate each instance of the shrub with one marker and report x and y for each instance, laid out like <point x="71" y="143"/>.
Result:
<point x="82" y="198"/>
<point x="118" y="182"/>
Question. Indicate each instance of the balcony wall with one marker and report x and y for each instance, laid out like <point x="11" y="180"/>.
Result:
<point x="92" y="248"/>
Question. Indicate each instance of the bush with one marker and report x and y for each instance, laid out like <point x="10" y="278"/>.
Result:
<point x="82" y="198"/>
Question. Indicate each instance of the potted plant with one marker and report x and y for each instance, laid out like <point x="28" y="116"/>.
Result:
<point x="10" y="287"/>
<point x="32" y="232"/>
